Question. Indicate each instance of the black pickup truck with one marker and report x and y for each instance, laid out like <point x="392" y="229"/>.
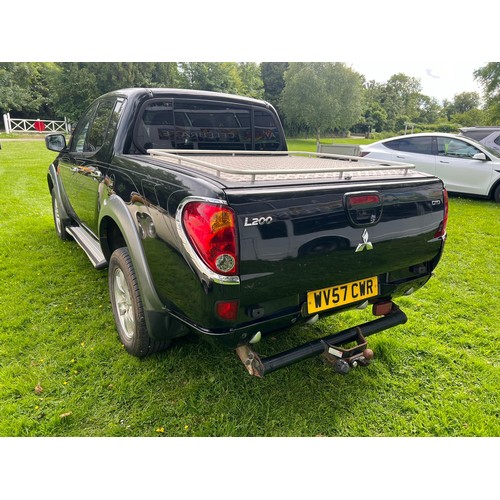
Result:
<point x="209" y="225"/>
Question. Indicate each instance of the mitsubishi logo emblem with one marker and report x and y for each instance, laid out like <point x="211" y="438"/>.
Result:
<point x="366" y="245"/>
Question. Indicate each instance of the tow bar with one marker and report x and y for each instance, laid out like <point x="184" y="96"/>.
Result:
<point x="329" y="347"/>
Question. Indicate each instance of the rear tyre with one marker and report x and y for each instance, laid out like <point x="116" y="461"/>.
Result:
<point x="496" y="194"/>
<point x="127" y="307"/>
<point x="59" y="223"/>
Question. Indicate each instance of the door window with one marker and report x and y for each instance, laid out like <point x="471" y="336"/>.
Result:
<point x="455" y="148"/>
<point x="420" y="145"/>
<point x="92" y="129"/>
<point x="82" y="128"/>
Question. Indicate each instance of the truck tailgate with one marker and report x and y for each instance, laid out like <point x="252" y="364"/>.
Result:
<point x="298" y="239"/>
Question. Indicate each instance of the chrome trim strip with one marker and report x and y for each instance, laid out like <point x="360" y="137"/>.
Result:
<point x="197" y="261"/>
<point x="328" y="187"/>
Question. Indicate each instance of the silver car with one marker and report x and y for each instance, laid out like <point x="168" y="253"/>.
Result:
<point x="489" y="136"/>
<point x="465" y="166"/>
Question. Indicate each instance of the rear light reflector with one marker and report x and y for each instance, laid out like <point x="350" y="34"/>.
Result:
<point x="382" y="308"/>
<point x="227" y="310"/>
<point x="211" y="230"/>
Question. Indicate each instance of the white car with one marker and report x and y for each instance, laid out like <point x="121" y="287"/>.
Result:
<point x="464" y="165"/>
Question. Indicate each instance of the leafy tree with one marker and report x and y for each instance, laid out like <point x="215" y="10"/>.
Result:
<point x="489" y="76"/>
<point x="229" y="77"/>
<point x="466" y="101"/>
<point x="429" y="110"/>
<point x="400" y="97"/>
<point x="75" y="87"/>
<point x="116" y="75"/>
<point x="218" y="77"/>
<point x="273" y="77"/>
<point x="251" y="80"/>
<point x="77" y="84"/>
<point x="165" y="74"/>
<point x="322" y="96"/>
<point x="461" y="103"/>
<point x="375" y="117"/>
<point x="24" y="88"/>
<point x="471" y="118"/>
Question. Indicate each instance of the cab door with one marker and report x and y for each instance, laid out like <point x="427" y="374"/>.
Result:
<point x="414" y="149"/>
<point x="459" y="170"/>
<point x="85" y="165"/>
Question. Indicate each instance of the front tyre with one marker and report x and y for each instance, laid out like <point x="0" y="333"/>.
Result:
<point x="127" y="307"/>
<point x="59" y="223"/>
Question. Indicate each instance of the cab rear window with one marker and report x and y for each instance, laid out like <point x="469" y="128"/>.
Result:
<point x="195" y="124"/>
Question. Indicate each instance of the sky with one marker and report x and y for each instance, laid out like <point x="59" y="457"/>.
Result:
<point x="442" y="80"/>
<point x="363" y="34"/>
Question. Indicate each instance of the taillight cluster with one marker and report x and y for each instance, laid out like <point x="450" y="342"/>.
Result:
<point x="442" y="226"/>
<point x="211" y="230"/>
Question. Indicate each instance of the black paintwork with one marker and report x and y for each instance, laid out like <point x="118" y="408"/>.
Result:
<point x="118" y="194"/>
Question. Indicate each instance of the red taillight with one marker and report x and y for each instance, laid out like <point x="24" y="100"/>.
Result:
<point x="211" y="229"/>
<point x="442" y="226"/>
<point x="363" y="199"/>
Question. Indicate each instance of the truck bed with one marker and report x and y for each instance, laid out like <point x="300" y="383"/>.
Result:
<point x="245" y="166"/>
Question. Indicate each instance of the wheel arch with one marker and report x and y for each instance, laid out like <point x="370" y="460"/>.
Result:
<point x="494" y="187"/>
<point x="55" y="187"/>
<point x="117" y="229"/>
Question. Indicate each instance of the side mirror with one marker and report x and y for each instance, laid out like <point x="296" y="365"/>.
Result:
<point x="55" y="142"/>
<point x="479" y="156"/>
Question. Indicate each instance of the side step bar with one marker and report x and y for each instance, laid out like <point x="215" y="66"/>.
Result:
<point x="89" y="245"/>
<point x="261" y="366"/>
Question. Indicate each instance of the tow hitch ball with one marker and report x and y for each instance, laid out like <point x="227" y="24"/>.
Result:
<point x="343" y="359"/>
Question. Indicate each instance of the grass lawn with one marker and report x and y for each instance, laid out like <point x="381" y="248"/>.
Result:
<point x="310" y="144"/>
<point x="63" y="371"/>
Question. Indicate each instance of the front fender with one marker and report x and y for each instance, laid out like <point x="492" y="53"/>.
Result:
<point x="54" y="185"/>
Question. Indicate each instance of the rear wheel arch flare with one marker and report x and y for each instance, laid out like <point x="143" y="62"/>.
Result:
<point x="115" y="214"/>
<point x="111" y="237"/>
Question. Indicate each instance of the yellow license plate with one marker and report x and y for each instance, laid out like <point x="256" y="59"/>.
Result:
<point x="340" y="295"/>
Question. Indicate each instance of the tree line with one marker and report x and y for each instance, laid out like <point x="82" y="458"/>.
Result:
<point x="312" y="98"/>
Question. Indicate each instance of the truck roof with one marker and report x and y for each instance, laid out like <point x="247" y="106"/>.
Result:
<point x="177" y="92"/>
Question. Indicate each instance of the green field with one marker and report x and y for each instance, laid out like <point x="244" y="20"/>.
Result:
<point x="63" y="371"/>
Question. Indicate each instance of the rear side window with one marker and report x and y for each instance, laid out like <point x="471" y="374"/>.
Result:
<point x="420" y="145"/>
<point x="267" y="137"/>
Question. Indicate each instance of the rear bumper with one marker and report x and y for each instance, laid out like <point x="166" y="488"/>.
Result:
<point x="259" y="367"/>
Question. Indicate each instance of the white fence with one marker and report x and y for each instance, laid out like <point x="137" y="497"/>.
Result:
<point x="40" y="126"/>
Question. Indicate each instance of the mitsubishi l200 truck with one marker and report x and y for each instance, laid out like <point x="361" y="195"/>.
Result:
<point x="207" y="224"/>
